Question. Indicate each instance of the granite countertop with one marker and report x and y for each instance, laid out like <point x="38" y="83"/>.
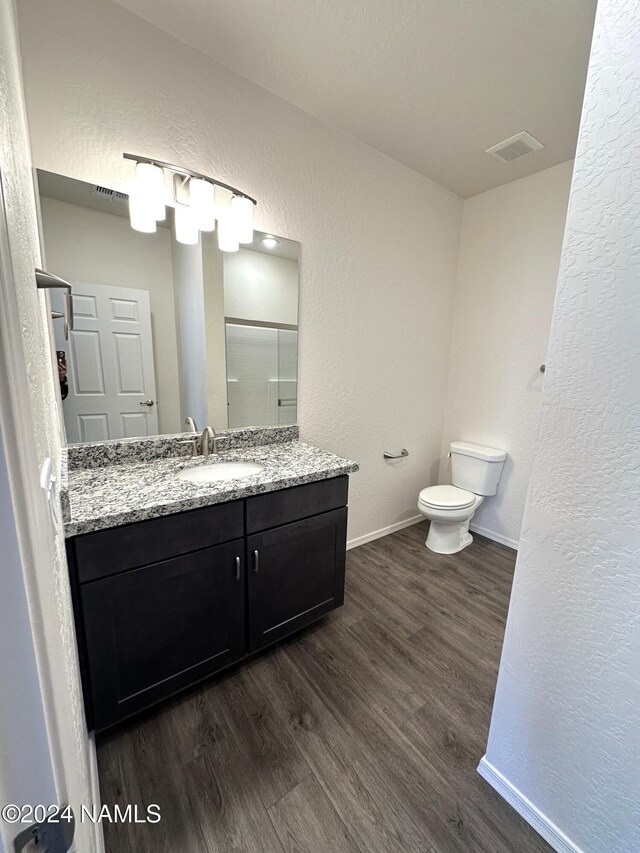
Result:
<point x="113" y="495"/>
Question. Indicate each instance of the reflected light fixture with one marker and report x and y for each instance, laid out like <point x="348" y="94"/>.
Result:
<point x="269" y="242"/>
<point x="228" y="232"/>
<point x="196" y="205"/>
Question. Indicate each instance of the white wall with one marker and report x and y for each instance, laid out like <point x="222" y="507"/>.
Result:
<point x="379" y="242"/>
<point x="26" y="774"/>
<point x="88" y="245"/>
<point x="509" y="259"/>
<point x="564" y="730"/>
<point x="260" y="287"/>
<point x="30" y="433"/>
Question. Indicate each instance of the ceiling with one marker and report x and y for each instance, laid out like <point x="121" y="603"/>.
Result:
<point x="431" y="83"/>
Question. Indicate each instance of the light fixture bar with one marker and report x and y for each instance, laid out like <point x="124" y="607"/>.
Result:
<point x="189" y="173"/>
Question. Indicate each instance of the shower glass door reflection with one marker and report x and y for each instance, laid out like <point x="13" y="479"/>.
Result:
<point x="261" y="374"/>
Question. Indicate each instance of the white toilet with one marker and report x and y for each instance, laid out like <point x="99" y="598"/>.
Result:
<point x="475" y="474"/>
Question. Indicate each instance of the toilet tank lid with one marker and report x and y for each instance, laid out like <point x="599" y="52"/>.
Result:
<point x="479" y="451"/>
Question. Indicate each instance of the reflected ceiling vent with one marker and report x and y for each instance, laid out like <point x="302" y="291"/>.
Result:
<point x="514" y="147"/>
<point x="113" y="195"/>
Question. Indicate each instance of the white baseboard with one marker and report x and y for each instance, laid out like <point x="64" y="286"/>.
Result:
<point x="526" y="809"/>
<point x="496" y="537"/>
<point x="384" y="531"/>
<point x="400" y="525"/>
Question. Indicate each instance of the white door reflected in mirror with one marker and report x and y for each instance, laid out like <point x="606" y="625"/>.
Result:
<point x="111" y="377"/>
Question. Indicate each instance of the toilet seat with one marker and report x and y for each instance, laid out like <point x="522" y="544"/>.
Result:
<point x="446" y="497"/>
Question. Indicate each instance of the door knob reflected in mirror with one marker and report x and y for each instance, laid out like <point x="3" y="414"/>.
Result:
<point x="147" y="403"/>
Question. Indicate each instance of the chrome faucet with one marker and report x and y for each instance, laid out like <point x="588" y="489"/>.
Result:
<point x="207" y="433"/>
<point x="200" y="443"/>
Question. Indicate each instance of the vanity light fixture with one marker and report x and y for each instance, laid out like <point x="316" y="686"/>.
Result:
<point x="196" y="208"/>
<point x="186" y="225"/>
<point x="242" y="213"/>
<point x="141" y="214"/>
<point x="269" y="242"/>
<point x="201" y="193"/>
<point x="150" y="189"/>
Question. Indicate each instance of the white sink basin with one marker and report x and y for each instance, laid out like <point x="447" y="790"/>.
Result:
<point x="215" y="472"/>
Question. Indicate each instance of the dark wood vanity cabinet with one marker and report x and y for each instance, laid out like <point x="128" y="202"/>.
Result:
<point x="155" y="629"/>
<point x="296" y="575"/>
<point x="162" y="604"/>
<point x="296" y="548"/>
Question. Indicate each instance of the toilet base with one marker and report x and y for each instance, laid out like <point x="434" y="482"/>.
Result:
<point x="446" y="538"/>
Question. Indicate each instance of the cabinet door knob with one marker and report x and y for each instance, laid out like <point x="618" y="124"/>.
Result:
<point x="256" y="562"/>
<point x="237" y="568"/>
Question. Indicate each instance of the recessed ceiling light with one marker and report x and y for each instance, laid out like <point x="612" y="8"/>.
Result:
<point x="269" y="242"/>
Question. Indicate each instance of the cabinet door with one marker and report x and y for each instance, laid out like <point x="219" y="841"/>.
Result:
<point x="155" y="629"/>
<point x="295" y="575"/>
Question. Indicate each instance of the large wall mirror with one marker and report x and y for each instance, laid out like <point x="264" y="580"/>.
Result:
<point x="164" y="330"/>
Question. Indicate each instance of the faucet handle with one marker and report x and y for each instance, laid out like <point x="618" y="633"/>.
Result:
<point x="194" y="442"/>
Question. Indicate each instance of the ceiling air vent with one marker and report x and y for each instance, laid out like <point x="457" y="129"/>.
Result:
<point x="514" y="147"/>
<point x="114" y="195"/>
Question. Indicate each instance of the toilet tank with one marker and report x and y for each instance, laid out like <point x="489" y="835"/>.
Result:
<point x="475" y="467"/>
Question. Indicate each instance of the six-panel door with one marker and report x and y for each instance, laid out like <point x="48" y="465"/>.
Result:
<point x="152" y="630"/>
<point x="112" y="384"/>
<point x="295" y="574"/>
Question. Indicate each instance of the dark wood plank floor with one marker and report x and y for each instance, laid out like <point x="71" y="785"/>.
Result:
<point x="362" y="733"/>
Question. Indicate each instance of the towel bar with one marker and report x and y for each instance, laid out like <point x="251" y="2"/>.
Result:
<point x="403" y="452"/>
<point x="47" y="281"/>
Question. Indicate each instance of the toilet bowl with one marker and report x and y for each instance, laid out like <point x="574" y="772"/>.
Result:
<point x="475" y="474"/>
<point x="449" y="509"/>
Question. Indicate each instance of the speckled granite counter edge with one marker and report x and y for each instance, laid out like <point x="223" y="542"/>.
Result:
<point x="125" y="451"/>
<point x="182" y="505"/>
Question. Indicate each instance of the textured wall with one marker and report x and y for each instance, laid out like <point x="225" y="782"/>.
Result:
<point x="378" y="242"/>
<point x="30" y="401"/>
<point x="507" y="275"/>
<point x="565" y="722"/>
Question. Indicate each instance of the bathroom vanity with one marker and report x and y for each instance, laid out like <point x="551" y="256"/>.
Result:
<point x="173" y="581"/>
<point x="182" y="566"/>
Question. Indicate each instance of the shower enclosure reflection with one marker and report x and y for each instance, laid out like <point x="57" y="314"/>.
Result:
<point x="164" y="330"/>
<point x="261" y="374"/>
